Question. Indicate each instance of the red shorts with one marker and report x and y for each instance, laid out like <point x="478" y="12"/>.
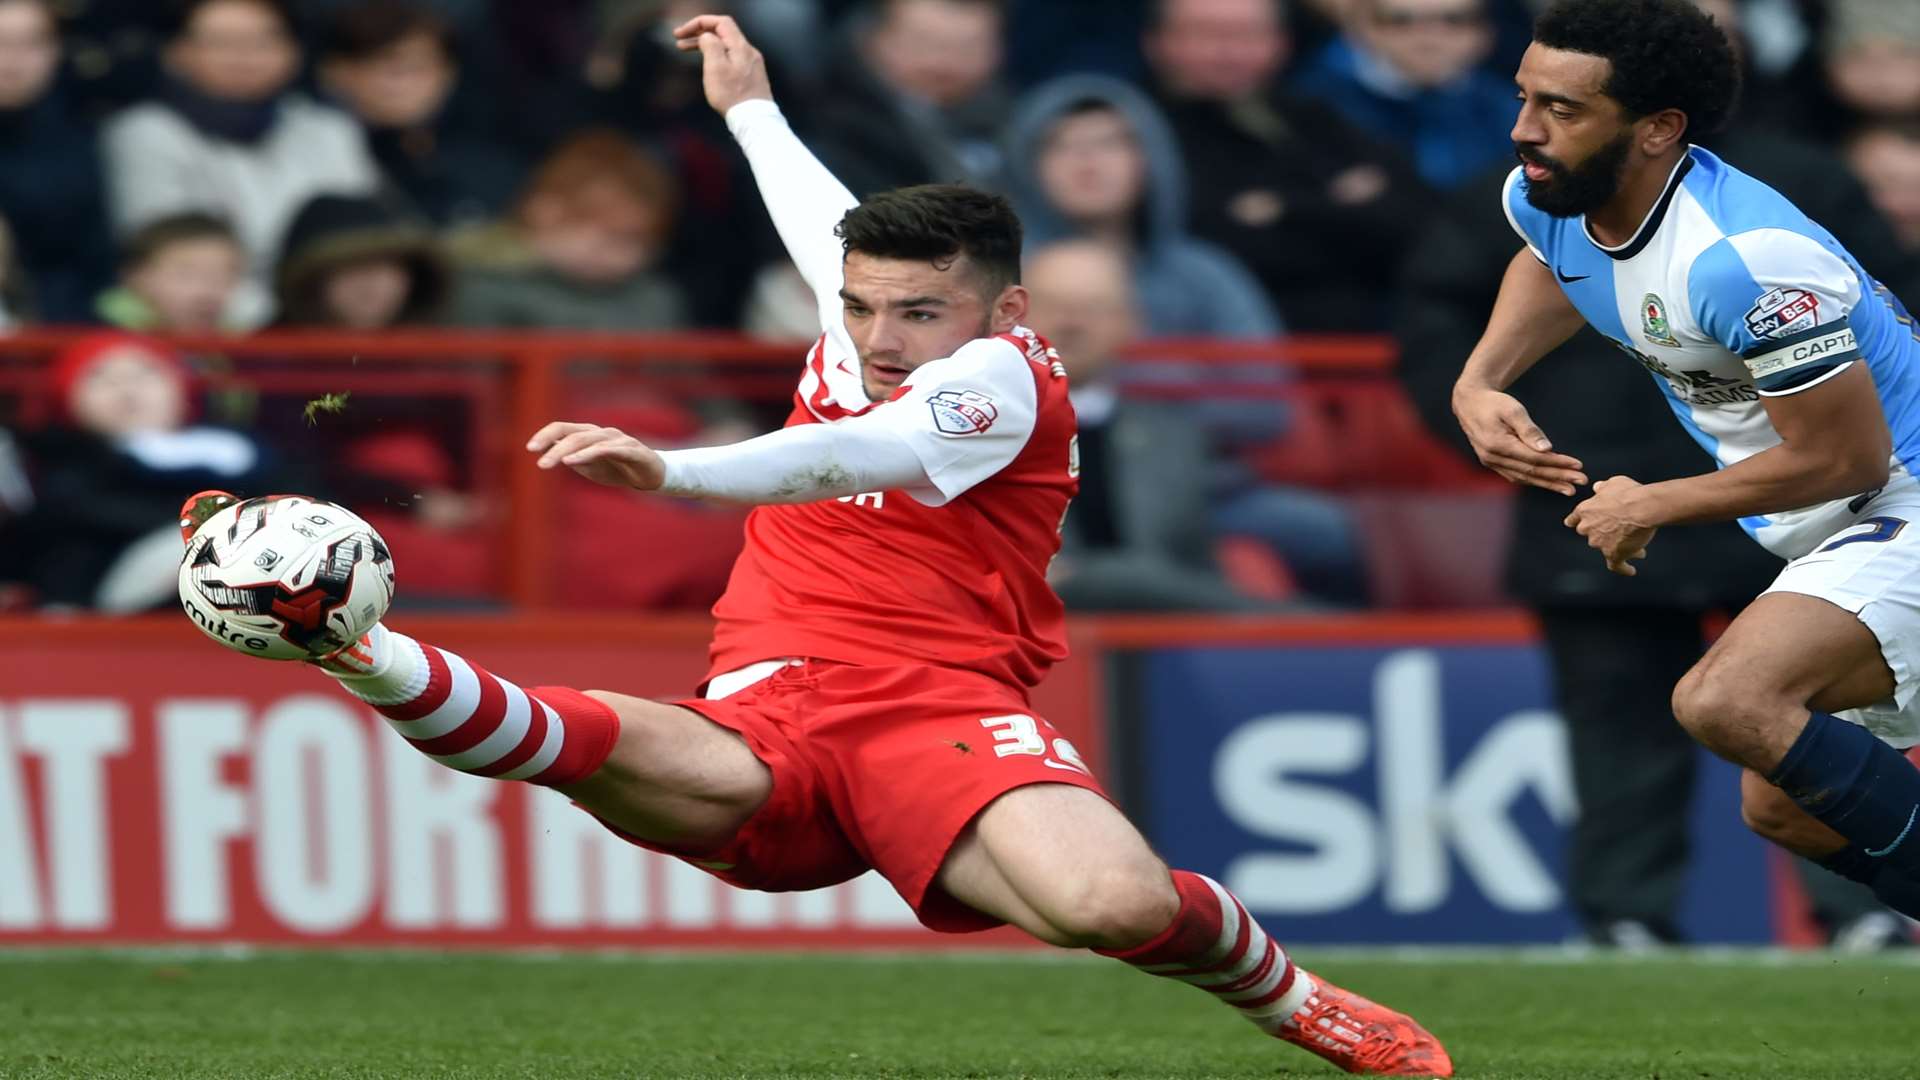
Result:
<point x="879" y="768"/>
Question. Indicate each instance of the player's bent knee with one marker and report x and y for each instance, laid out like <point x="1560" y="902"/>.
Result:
<point x="1115" y="909"/>
<point x="1716" y="710"/>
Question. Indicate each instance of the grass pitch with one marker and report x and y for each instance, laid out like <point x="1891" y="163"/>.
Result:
<point x="1505" y="1016"/>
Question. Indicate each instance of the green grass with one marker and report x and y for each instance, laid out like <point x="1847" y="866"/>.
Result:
<point x="1504" y="1016"/>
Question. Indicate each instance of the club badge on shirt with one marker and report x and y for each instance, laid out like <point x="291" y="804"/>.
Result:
<point x="1653" y="322"/>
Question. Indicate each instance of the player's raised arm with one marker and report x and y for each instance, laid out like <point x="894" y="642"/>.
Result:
<point x="803" y="198"/>
<point x="1531" y="318"/>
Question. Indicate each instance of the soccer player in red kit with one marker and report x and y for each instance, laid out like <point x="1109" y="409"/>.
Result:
<point x="867" y="703"/>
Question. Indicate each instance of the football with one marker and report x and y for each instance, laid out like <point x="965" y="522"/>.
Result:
<point x="285" y="577"/>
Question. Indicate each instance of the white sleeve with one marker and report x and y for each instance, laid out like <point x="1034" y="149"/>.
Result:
<point x="956" y="422"/>
<point x="804" y="463"/>
<point x="803" y="198"/>
<point x="965" y="417"/>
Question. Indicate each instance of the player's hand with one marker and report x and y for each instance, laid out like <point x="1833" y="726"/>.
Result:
<point x="731" y="69"/>
<point x="1613" y="525"/>
<point x="603" y="455"/>
<point x="1507" y="441"/>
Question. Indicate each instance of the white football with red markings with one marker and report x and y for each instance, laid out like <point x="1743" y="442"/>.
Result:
<point x="285" y="577"/>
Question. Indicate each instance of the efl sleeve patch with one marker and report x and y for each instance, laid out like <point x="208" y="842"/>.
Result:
<point x="1783" y="363"/>
<point x="963" y="412"/>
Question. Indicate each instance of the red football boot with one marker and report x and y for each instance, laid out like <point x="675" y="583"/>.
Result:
<point x="1362" y="1037"/>
<point x="201" y="506"/>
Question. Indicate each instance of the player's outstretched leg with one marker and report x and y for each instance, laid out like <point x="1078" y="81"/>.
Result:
<point x="658" y="773"/>
<point x="1063" y="864"/>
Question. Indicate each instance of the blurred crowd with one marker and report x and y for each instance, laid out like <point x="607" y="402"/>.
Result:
<point x="1185" y="169"/>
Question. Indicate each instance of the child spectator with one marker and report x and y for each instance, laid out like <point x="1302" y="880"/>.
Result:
<point x="583" y="249"/>
<point x="177" y="275"/>
<point x="354" y="263"/>
<point x="110" y="471"/>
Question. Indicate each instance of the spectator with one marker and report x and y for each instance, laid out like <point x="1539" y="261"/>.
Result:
<point x="177" y="275"/>
<point x="1092" y="157"/>
<point x="1617" y="644"/>
<point x="228" y="135"/>
<point x="111" y="471"/>
<point x="1136" y="538"/>
<point x="353" y="263"/>
<point x="915" y="98"/>
<point x="1409" y="72"/>
<point x="51" y="186"/>
<point x="1886" y="158"/>
<point x="393" y="67"/>
<point x="1316" y="209"/>
<point x="653" y="95"/>
<point x="583" y="249"/>
<point x="1872" y="52"/>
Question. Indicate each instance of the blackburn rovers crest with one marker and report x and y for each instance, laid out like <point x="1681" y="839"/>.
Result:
<point x="1653" y="322"/>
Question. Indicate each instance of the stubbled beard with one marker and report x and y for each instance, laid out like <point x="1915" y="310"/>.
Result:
<point x="1580" y="190"/>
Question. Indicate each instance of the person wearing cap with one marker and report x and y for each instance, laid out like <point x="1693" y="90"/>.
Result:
<point x="121" y="443"/>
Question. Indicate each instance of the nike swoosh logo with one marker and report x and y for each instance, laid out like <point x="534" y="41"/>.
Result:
<point x="1896" y="840"/>
<point x="1570" y="280"/>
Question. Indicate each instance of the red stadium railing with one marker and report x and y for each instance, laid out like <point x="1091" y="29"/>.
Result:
<point x="1354" y="426"/>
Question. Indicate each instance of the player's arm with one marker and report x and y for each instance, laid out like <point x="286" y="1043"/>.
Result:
<point x="1834" y="443"/>
<point x="1531" y="318"/>
<point x="804" y="199"/>
<point x="956" y="422"/>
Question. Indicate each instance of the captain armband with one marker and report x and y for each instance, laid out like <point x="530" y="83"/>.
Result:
<point x="1797" y="362"/>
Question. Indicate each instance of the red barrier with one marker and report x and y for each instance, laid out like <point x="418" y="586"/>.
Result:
<point x="1351" y="422"/>
<point x="154" y="788"/>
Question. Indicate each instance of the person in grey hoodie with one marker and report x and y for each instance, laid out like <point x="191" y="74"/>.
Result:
<point x="1091" y="157"/>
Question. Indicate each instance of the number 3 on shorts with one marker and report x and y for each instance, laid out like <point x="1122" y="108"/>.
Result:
<point x="1018" y="734"/>
<point x="1014" y="734"/>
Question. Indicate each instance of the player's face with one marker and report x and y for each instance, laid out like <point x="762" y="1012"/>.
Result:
<point x="1573" y="141"/>
<point x="902" y="313"/>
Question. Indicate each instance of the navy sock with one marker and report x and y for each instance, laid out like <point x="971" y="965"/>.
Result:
<point x="1892" y="888"/>
<point x="1857" y="786"/>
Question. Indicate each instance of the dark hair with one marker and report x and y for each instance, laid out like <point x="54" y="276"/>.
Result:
<point x="156" y="236"/>
<point x="1666" y="54"/>
<point x="365" y="29"/>
<point x="184" y="12"/>
<point x="938" y="223"/>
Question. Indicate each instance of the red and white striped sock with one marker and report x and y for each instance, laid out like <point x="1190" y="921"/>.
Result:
<point x="1215" y="945"/>
<point x="465" y="718"/>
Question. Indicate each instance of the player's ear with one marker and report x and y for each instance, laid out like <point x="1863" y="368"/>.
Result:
<point x="1661" y="131"/>
<point x="1010" y="309"/>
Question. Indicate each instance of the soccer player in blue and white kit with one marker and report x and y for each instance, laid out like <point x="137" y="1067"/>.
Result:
<point x="1785" y="360"/>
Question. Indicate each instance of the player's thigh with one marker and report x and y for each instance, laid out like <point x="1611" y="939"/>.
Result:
<point x="1771" y="813"/>
<point x="1785" y="651"/>
<point x="1067" y="857"/>
<point x="674" y="777"/>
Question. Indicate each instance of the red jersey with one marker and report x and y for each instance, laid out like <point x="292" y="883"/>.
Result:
<point x="953" y="575"/>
